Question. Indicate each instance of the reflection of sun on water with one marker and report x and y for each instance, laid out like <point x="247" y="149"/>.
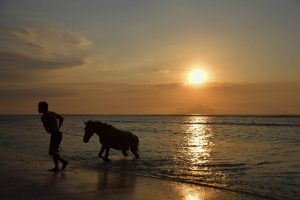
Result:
<point x="199" y="141"/>
<point x="199" y="145"/>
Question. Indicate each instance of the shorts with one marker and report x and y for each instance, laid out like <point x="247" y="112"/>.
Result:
<point x="55" y="141"/>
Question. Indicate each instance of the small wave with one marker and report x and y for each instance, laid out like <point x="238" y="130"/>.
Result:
<point x="234" y="167"/>
<point x="291" y="173"/>
<point x="208" y="123"/>
<point x="263" y="163"/>
<point x="242" y="124"/>
<point x="223" y="165"/>
<point x="267" y="163"/>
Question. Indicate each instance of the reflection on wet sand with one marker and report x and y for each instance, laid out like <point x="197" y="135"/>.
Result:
<point x="104" y="183"/>
<point x="55" y="178"/>
<point x="192" y="197"/>
<point x="190" y="193"/>
<point x="108" y="180"/>
<point x="107" y="184"/>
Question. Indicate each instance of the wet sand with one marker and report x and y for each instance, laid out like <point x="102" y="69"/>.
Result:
<point x="27" y="178"/>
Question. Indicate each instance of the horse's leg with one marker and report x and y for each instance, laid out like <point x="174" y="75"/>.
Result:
<point x="101" y="151"/>
<point x="134" y="150"/>
<point x="106" y="154"/>
<point x="124" y="151"/>
<point x="136" y="155"/>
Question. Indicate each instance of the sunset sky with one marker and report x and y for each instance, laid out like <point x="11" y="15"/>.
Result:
<point x="135" y="56"/>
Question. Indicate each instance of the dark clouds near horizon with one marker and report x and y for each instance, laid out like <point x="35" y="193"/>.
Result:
<point x="225" y="98"/>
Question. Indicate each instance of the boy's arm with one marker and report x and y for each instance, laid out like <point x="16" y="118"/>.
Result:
<point x="60" y="120"/>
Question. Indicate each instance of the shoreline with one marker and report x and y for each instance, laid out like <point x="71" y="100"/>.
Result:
<point x="28" y="178"/>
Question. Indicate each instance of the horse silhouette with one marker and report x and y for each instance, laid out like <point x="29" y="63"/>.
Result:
<point x="110" y="137"/>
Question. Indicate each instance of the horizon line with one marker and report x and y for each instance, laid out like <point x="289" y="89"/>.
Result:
<point x="241" y="115"/>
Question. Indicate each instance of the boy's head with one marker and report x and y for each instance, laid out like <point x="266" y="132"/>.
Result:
<point x="43" y="107"/>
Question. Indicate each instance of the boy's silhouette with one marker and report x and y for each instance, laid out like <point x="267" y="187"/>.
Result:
<point x="52" y="123"/>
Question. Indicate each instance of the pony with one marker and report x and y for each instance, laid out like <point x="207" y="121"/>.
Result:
<point x="110" y="137"/>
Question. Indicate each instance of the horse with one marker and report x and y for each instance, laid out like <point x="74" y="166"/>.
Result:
<point x="110" y="137"/>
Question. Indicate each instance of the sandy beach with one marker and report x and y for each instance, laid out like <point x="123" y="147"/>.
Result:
<point x="26" y="177"/>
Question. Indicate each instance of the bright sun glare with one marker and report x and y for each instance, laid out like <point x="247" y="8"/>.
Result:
<point x="197" y="76"/>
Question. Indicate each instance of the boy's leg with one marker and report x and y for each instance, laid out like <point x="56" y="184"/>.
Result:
<point x="56" y="167"/>
<point x="64" y="162"/>
<point x="55" y="141"/>
<point x="53" y="151"/>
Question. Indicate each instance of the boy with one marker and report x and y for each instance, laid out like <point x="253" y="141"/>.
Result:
<point x="52" y="123"/>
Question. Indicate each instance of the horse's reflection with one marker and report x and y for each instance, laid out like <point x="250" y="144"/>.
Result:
<point x="108" y="179"/>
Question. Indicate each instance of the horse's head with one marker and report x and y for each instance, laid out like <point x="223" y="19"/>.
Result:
<point x="89" y="131"/>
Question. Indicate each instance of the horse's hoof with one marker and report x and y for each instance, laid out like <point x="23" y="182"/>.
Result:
<point x="106" y="160"/>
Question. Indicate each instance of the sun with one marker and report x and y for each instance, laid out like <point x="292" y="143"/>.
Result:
<point x="197" y="76"/>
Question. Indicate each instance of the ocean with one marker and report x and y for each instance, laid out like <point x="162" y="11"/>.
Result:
<point x="257" y="155"/>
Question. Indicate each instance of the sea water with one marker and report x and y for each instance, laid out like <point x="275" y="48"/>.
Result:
<point x="258" y="155"/>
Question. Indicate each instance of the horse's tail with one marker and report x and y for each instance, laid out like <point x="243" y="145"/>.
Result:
<point x="134" y="147"/>
<point x="137" y="142"/>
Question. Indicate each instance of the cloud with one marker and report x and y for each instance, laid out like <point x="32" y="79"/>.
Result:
<point x="17" y="60"/>
<point x="195" y="109"/>
<point x="45" y="37"/>
<point x="29" y="49"/>
<point x="169" y="85"/>
<point x="32" y="93"/>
